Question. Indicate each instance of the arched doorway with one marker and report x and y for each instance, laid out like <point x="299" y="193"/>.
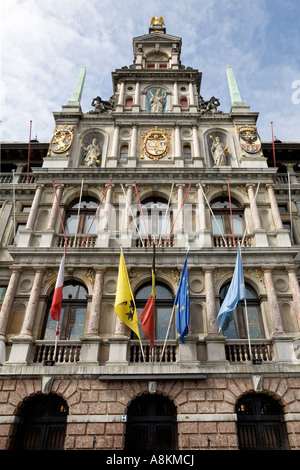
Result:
<point x="42" y="426"/>
<point x="260" y="424"/>
<point x="151" y="424"/>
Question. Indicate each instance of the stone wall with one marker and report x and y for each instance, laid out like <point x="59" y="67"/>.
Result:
<point x="205" y="409"/>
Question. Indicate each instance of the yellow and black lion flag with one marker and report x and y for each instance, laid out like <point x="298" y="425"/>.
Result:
<point x="125" y="307"/>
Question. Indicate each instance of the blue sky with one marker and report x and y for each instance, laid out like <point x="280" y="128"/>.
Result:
<point x="44" y="44"/>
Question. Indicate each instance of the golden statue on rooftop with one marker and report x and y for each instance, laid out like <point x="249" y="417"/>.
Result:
<point x="155" y="20"/>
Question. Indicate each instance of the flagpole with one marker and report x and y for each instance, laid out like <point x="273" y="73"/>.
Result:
<point x="98" y="208"/>
<point x="133" y="218"/>
<point x="80" y="196"/>
<point x="246" y="315"/>
<point x="213" y="215"/>
<point x="233" y="240"/>
<point x="178" y="213"/>
<point x="163" y="224"/>
<point x="169" y="326"/>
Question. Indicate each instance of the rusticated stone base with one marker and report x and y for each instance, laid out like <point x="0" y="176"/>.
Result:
<point x="206" y="415"/>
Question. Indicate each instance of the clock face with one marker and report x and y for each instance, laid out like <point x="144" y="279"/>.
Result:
<point x="61" y="140"/>
<point x="156" y="143"/>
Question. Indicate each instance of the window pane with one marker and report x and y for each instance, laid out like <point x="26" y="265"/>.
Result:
<point x="87" y="222"/>
<point x="253" y="321"/>
<point x="51" y="326"/>
<point x="162" y="322"/>
<point x="2" y="292"/>
<point x="71" y="224"/>
<point x="230" y="329"/>
<point x="76" y="325"/>
<point x="238" y="227"/>
<point x="215" y="227"/>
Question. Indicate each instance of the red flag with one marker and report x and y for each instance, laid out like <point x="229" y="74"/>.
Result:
<point x="58" y="295"/>
<point x="147" y="316"/>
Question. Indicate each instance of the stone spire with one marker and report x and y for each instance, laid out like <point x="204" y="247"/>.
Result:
<point x="236" y="99"/>
<point x="77" y="92"/>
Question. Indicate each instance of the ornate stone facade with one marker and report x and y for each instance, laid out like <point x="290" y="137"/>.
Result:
<point x="156" y="163"/>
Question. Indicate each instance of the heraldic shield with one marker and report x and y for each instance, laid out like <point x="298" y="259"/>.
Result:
<point x="249" y="139"/>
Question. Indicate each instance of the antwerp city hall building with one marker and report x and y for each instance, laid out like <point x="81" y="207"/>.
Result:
<point x="157" y="164"/>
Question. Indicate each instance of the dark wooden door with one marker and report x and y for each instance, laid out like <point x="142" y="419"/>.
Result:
<point x="151" y="424"/>
<point x="42" y="424"/>
<point x="260" y="424"/>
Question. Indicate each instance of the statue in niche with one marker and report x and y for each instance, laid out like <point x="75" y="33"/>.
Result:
<point x="219" y="151"/>
<point x="157" y="100"/>
<point x="210" y="106"/>
<point x="101" y="106"/>
<point x="92" y="154"/>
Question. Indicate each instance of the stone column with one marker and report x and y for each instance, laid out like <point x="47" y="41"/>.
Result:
<point x="94" y="321"/>
<point x="121" y="94"/>
<point x="253" y="206"/>
<point x="215" y="344"/>
<point x="201" y="206"/>
<point x="9" y="300"/>
<point x="180" y="219"/>
<point x="273" y="301"/>
<point x="211" y="307"/>
<point x="136" y="104"/>
<point x="274" y="206"/>
<point x="175" y="94"/>
<point x="129" y="200"/>
<point x="34" y="207"/>
<point x="133" y="146"/>
<point x="106" y="214"/>
<point x="54" y="210"/>
<point x="260" y="235"/>
<point x="196" y="141"/>
<point x="177" y="142"/>
<point x="115" y="144"/>
<point x="191" y="93"/>
<point x="33" y="303"/>
<point x="295" y="288"/>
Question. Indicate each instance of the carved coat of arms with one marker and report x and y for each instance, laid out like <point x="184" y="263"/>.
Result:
<point x="62" y="139"/>
<point x="249" y="138"/>
<point x="156" y="143"/>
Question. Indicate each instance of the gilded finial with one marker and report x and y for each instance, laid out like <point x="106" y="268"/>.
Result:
<point x="155" y="20"/>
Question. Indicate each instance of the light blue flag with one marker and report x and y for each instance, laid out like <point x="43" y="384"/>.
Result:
<point x="182" y="303"/>
<point x="235" y="292"/>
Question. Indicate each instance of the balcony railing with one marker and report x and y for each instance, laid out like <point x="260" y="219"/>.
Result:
<point x="9" y="178"/>
<point x="76" y="242"/>
<point x="238" y="350"/>
<point x="67" y="352"/>
<point x="219" y="242"/>
<point x="163" y="242"/>
<point x="169" y="355"/>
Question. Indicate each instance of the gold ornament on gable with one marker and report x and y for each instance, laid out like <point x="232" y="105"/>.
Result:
<point x="62" y="138"/>
<point x="156" y="143"/>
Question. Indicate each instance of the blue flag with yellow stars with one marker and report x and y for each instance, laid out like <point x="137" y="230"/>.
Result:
<point x="182" y="303"/>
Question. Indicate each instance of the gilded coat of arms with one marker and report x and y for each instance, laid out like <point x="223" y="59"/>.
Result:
<point x="156" y="143"/>
<point x="249" y="138"/>
<point x="62" y="139"/>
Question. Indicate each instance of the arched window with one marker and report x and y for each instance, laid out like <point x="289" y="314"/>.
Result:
<point x="151" y="424"/>
<point x="128" y="103"/>
<point x="73" y="311"/>
<point x="184" y="103"/>
<point x="163" y="308"/>
<point x="124" y="152"/>
<point x="221" y="210"/>
<point x="187" y="152"/>
<point x="260" y="424"/>
<point x="42" y="425"/>
<point x="79" y="219"/>
<point x="235" y="325"/>
<point x="156" y="217"/>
